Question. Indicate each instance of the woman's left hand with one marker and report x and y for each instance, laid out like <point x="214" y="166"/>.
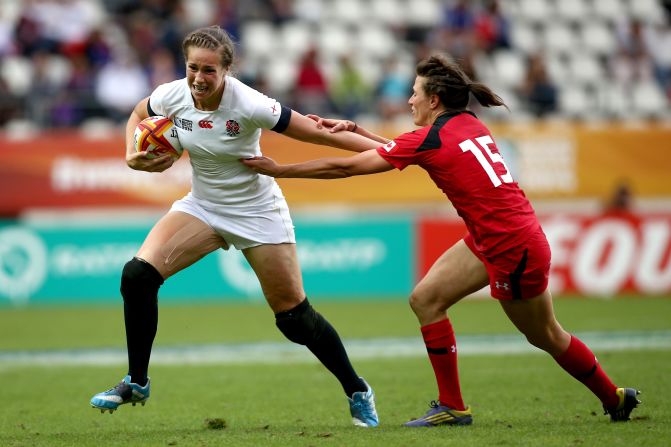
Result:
<point x="262" y="165"/>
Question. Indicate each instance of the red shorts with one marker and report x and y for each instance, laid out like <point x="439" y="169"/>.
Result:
<point x="519" y="273"/>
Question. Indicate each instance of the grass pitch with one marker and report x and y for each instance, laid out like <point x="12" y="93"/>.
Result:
<point x="518" y="400"/>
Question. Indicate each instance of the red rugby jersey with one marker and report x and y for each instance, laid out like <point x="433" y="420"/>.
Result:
<point x="461" y="157"/>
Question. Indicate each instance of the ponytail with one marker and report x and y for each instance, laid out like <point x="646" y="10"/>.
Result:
<point x="452" y="86"/>
<point x="485" y="96"/>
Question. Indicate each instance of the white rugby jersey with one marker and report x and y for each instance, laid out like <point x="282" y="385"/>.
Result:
<point x="217" y="139"/>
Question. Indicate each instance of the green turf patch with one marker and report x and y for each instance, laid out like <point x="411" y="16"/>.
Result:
<point x="99" y="327"/>
<point x="517" y="400"/>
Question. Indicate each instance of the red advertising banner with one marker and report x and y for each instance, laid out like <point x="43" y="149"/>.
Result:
<point x="66" y="170"/>
<point x="601" y="255"/>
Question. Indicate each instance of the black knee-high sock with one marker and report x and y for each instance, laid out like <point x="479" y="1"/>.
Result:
<point x="305" y="326"/>
<point x="331" y="352"/>
<point x="140" y="282"/>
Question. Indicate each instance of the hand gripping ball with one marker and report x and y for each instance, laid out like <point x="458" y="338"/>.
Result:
<point x="158" y="136"/>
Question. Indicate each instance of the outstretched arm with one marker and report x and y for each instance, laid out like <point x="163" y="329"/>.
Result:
<point x="367" y="162"/>
<point x="305" y="129"/>
<point x="335" y="125"/>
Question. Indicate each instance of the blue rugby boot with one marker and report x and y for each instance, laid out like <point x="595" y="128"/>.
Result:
<point x="442" y="415"/>
<point x="628" y="401"/>
<point x="362" y="408"/>
<point x="124" y="392"/>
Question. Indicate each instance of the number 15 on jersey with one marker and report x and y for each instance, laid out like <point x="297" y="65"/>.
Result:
<point x="478" y="150"/>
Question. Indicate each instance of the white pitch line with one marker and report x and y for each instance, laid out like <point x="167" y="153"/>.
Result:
<point x="286" y="352"/>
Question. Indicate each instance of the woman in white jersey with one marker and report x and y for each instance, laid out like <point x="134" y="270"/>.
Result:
<point x="219" y="121"/>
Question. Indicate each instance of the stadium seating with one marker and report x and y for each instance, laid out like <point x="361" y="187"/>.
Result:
<point x="578" y="39"/>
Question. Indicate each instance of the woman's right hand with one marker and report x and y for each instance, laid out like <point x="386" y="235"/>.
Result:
<point x="140" y="162"/>
<point x="333" y="125"/>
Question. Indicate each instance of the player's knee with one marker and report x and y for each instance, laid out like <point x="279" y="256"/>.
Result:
<point x="302" y="324"/>
<point x="139" y="278"/>
<point x="426" y="305"/>
<point x="414" y="301"/>
<point x="419" y="301"/>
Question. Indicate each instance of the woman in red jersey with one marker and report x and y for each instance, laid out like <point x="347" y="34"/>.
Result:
<point x="505" y="246"/>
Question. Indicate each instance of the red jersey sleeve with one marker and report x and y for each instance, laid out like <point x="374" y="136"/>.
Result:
<point x="402" y="150"/>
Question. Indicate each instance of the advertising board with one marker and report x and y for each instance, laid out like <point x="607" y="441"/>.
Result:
<point x="46" y="262"/>
<point x="596" y="255"/>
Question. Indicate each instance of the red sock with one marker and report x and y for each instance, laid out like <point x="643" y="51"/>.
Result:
<point x="442" y="348"/>
<point x="580" y="362"/>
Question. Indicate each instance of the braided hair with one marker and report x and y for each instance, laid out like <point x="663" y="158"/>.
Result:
<point x="452" y="86"/>
<point x="213" y="38"/>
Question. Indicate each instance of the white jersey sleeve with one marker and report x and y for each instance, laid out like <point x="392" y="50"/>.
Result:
<point x="266" y="112"/>
<point x="166" y="97"/>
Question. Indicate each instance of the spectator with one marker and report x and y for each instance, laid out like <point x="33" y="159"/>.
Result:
<point x="658" y="41"/>
<point x="227" y="16"/>
<point x="28" y="36"/>
<point x="537" y="90"/>
<point x="162" y="68"/>
<point x="143" y="34"/>
<point x="96" y="49"/>
<point x="631" y="61"/>
<point x="619" y="204"/>
<point x="459" y="17"/>
<point x="392" y="90"/>
<point x="456" y="35"/>
<point x="492" y="28"/>
<point x="349" y="90"/>
<point x="59" y="25"/>
<point x="311" y="88"/>
<point x="43" y="93"/>
<point x="281" y="10"/>
<point x="121" y="84"/>
<point x="6" y="42"/>
<point x="81" y="87"/>
<point x="67" y="22"/>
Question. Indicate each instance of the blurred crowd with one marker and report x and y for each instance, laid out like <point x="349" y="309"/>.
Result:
<point x="65" y="62"/>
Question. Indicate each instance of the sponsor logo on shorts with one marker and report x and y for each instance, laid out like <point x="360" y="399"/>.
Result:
<point x="502" y="285"/>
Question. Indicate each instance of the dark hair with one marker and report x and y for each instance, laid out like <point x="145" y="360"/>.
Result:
<point x="213" y="38"/>
<point x="452" y="86"/>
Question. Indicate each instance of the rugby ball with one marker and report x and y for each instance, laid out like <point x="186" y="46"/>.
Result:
<point x="158" y="136"/>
